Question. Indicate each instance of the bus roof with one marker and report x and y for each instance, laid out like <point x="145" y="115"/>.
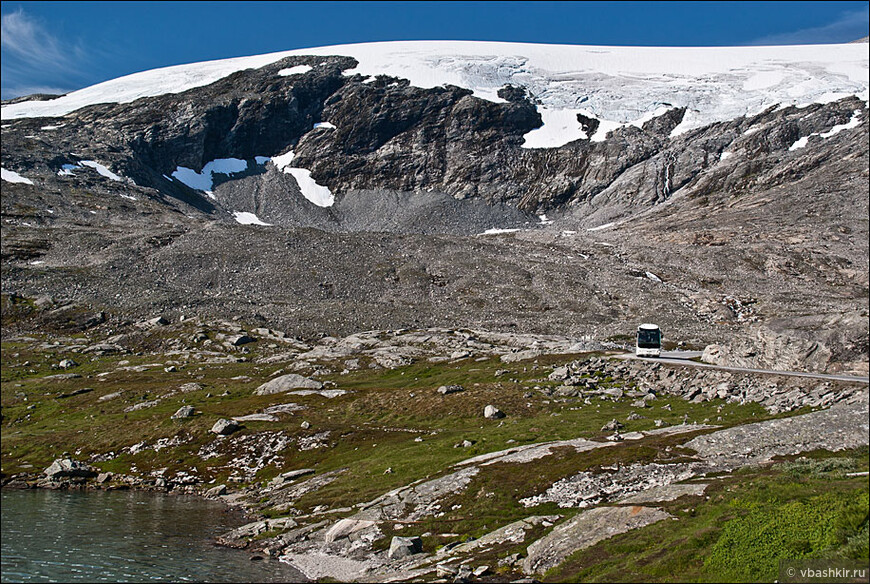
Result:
<point x="648" y="326"/>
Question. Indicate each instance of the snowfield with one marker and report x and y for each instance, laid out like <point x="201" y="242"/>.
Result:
<point x="617" y="85"/>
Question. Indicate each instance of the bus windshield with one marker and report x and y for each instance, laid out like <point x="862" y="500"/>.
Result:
<point x="649" y="339"/>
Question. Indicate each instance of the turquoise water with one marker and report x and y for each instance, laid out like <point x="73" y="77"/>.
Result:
<point x="65" y="536"/>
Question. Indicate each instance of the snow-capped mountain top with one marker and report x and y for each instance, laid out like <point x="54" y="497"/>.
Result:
<point x="617" y="85"/>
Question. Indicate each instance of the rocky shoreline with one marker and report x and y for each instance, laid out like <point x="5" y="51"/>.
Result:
<point x="79" y="476"/>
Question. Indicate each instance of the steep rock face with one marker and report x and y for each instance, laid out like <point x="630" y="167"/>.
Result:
<point x="391" y="135"/>
<point x="384" y="134"/>
<point x="810" y="347"/>
<point x="244" y="115"/>
<point x="720" y="160"/>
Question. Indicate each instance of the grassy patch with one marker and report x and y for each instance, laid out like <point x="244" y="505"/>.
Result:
<point x="749" y="547"/>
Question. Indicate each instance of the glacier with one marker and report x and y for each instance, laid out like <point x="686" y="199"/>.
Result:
<point x="616" y="85"/>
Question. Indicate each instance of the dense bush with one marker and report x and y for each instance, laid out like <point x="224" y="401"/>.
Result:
<point x="751" y="546"/>
<point x="818" y="468"/>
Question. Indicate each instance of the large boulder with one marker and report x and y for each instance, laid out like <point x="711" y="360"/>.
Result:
<point x="492" y="413"/>
<point x="446" y="389"/>
<point x="225" y="427"/>
<point x="402" y="547"/>
<point x="612" y="426"/>
<point x="104" y="349"/>
<point x="217" y="491"/>
<point x="67" y="467"/>
<point x="240" y="339"/>
<point x="153" y="322"/>
<point x="183" y="412"/>
<point x="285" y="478"/>
<point x="346" y="527"/>
<point x="287" y="382"/>
<point x="559" y="374"/>
<point x="44" y="302"/>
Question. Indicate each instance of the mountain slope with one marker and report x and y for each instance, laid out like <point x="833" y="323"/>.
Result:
<point x="727" y="173"/>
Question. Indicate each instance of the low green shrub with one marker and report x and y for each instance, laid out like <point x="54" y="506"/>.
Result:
<point x="751" y="546"/>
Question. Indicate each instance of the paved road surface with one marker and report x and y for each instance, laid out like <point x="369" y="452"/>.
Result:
<point x="683" y="358"/>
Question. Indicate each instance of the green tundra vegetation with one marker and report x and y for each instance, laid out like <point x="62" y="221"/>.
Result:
<point x="392" y="428"/>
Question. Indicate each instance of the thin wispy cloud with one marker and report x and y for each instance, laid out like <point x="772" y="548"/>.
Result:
<point x="34" y="58"/>
<point x="848" y="27"/>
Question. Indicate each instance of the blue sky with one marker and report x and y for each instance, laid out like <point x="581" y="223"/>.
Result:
<point x="55" y="47"/>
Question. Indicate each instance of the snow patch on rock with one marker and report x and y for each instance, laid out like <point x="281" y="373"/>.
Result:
<point x="204" y="180"/>
<point x="854" y="122"/>
<point x="297" y="70"/>
<point x="246" y="218"/>
<point x="14" y="177"/>
<point x="102" y="170"/>
<point x="497" y="231"/>
<point x="283" y="160"/>
<point x="800" y="143"/>
<point x="67" y="170"/>
<point x="560" y="126"/>
<point x="317" y="194"/>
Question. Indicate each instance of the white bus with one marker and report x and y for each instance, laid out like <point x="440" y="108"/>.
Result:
<point x="649" y="341"/>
